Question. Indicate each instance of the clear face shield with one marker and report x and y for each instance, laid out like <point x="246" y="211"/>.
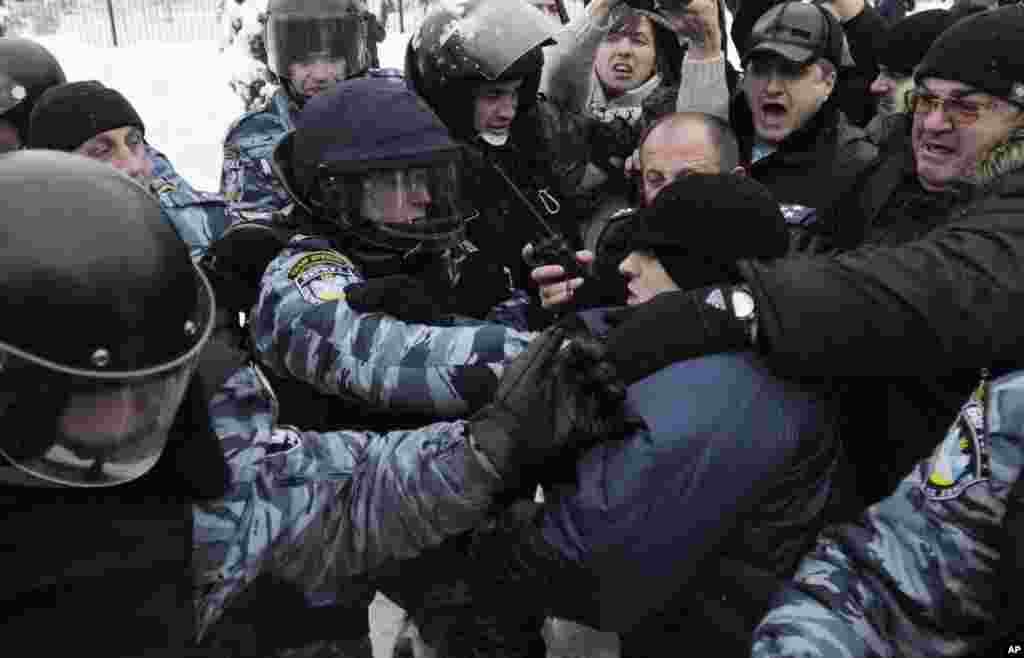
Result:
<point x="336" y="41"/>
<point x="406" y="210"/>
<point x="90" y="428"/>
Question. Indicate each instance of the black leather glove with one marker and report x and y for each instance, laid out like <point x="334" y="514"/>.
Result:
<point x="673" y="326"/>
<point x="553" y="397"/>
<point x="399" y="295"/>
<point x="483" y="284"/>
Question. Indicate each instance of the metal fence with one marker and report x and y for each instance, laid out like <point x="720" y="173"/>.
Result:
<point x="118" y="22"/>
<point x="125" y="22"/>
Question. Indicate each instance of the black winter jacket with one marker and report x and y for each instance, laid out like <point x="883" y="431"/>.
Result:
<point x="106" y="572"/>
<point x="812" y="169"/>
<point x="903" y="325"/>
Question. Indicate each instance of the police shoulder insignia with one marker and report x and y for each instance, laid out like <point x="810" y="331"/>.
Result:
<point x="962" y="457"/>
<point x="162" y="186"/>
<point x="232" y="152"/>
<point x="282" y="440"/>
<point x="321" y="276"/>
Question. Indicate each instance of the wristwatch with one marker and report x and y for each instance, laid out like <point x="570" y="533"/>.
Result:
<point x="744" y="308"/>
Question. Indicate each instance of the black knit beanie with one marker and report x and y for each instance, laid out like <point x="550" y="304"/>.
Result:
<point x="983" y="51"/>
<point x="906" y="43"/>
<point x="68" y="115"/>
<point x="701" y="224"/>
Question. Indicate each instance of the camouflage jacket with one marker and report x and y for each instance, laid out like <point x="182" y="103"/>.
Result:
<point x="916" y="574"/>
<point x="302" y="327"/>
<point x="246" y="175"/>
<point x="198" y="217"/>
<point x="318" y="508"/>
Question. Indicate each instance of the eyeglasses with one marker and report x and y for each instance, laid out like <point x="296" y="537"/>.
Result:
<point x="960" y="112"/>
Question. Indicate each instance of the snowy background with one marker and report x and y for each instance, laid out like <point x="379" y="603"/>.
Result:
<point x="181" y="92"/>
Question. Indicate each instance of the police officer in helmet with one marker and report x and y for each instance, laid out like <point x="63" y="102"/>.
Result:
<point x="26" y="70"/>
<point x="311" y="46"/>
<point x="105" y="440"/>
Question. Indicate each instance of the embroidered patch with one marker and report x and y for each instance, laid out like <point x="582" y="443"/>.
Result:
<point x="323" y="283"/>
<point x="959" y="461"/>
<point x="232" y="152"/>
<point x="321" y="276"/>
<point x="315" y="258"/>
<point x="161" y="186"/>
<point x="280" y="441"/>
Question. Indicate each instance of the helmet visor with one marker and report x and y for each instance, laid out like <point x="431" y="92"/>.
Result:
<point x="415" y="207"/>
<point x="12" y="92"/>
<point x="337" y="40"/>
<point x="93" y="428"/>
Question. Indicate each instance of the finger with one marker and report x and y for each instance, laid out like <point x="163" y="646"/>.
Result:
<point x="584" y="257"/>
<point x="547" y="274"/>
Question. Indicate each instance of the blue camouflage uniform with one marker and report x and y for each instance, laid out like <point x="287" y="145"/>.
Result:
<point x="302" y="327"/>
<point x="198" y="217"/>
<point x="916" y="574"/>
<point x="246" y="175"/>
<point x="318" y="508"/>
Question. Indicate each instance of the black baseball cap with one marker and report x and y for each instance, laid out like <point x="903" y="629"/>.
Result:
<point x="800" y="32"/>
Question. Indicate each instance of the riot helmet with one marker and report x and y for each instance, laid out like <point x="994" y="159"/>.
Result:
<point x="312" y="44"/>
<point x="379" y="171"/>
<point x="106" y="317"/>
<point x="26" y="70"/>
<point x="461" y="45"/>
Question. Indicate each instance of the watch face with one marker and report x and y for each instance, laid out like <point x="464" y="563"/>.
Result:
<point x="742" y="304"/>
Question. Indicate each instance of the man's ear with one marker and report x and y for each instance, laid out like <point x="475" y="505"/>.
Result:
<point x="829" y="80"/>
<point x="739" y="170"/>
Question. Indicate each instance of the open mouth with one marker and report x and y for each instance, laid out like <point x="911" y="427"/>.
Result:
<point x="773" y="110"/>
<point x="622" y="69"/>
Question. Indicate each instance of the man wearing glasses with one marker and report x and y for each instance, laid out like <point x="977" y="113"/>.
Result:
<point x="935" y="568"/>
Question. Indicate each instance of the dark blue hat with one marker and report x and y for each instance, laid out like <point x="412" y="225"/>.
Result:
<point x="368" y="123"/>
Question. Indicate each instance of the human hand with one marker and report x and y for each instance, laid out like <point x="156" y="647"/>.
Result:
<point x="555" y="289"/>
<point x="696" y="22"/>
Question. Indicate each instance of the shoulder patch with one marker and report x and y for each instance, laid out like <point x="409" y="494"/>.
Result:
<point x="163" y="186"/>
<point x="962" y="458"/>
<point x="321" y="276"/>
<point x="232" y="152"/>
<point x="281" y="441"/>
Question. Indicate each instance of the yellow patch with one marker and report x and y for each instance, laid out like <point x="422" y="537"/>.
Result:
<point x="316" y="258"/>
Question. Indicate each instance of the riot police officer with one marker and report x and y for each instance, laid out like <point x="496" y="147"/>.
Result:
<point x="26" y="70"/>
<point x="311" y="45"/>
<point x="105" y="439"/>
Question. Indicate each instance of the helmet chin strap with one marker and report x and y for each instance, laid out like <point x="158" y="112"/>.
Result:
<point x="495" y="138"/>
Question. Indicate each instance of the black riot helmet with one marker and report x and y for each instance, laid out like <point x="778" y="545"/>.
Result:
<point x="460" y="45"/>
<point x="379" y="171"/>
<point x="112" y="316"/>
<point x="26" y="70"/>
<point x="305" y="31"/>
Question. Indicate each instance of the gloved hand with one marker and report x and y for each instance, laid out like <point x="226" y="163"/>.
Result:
<point x="483" y="284"/>
<point x="672" y="326"/>
<point x="552" y="397"/>
<point x="399" y="295"/>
